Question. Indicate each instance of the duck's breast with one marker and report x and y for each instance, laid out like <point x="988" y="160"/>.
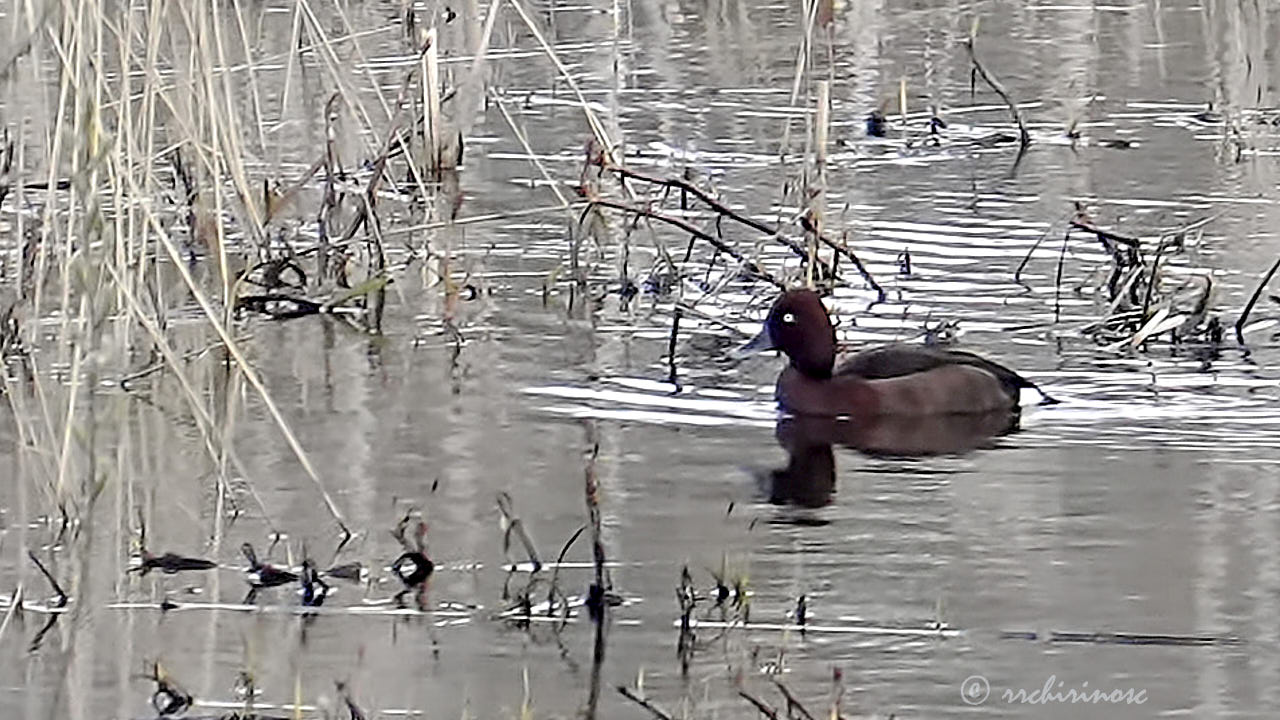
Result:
<point x="830" y="397"/>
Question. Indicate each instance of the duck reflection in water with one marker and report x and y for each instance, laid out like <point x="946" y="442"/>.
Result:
<point x="809" y="479"/>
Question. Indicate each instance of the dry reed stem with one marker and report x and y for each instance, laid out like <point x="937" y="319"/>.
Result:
<point x="473" y="87"/>
<point x="818" y="195"/>
<point x="430" y="73"/>
<point x="802" y="67"/>
<point x="573" y="207"/>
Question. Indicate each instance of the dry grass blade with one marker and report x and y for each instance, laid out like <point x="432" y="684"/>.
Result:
<point x="533" y="156"/>
<point x="597" y="127"/>
<point x="250" y="374"/>
<point x="213" y="440"/>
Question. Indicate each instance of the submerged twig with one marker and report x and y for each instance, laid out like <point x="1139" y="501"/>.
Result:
<point x="596" y="601"/>
<point x="1017" y="274"/>
<point x="1253" y="300"/>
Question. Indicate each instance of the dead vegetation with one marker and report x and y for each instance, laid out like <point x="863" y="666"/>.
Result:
<point x="1141" y="294"/>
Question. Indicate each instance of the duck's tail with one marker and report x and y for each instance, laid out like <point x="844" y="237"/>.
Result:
<point x="1021" y="383"/>
<point x="1045" y="398"/>
<point x="1009" y="378"/>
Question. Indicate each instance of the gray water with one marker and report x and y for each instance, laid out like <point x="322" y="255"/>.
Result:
<point x="1142" y="504"/>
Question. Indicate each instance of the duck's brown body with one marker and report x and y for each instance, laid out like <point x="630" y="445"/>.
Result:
<point x="945" y="390"/>
<point x="893" y="380"/>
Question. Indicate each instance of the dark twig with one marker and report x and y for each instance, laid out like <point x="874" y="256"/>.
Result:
<point x="696" y="232"/>
<point x="1057" y="280"/>
<point x="724" y="211"/>
<point x="597" y="665"/>
<point x="6" y="163"/>
<point x="596" y="600"/>
<point x="1024" y="138"/>
<point x="1153" y="279"/>
<point x="653" y="709"/>
<point x="671" y="348"/>
<point x="761" y="705"/>
<point x="1253" y="300"/>
<point x="61" y="600"/>
<point x="1105" y="235"/>
<point x="793" y="703"/>
<point x="687" y="596"/>
<point x="720" y="208"/>
<point x="1017" y="274"/>
<point x="857" y="263"/>
<point x="555" y="571"/>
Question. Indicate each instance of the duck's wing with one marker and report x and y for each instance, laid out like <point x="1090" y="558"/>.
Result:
<point x="893" y="361"/>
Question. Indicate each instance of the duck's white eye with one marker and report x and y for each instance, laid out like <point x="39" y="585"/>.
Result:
<point x="789" y="318"/>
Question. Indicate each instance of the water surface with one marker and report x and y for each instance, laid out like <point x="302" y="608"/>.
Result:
<point x="1143" y="504"/>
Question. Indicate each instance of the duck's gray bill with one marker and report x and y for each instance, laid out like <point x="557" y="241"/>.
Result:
<point x="757" y="344"/>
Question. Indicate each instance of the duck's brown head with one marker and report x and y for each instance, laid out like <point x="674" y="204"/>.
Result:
<point x="799" y="326"/>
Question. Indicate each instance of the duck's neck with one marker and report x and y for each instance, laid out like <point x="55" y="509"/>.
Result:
<point x="816" y="365"/>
